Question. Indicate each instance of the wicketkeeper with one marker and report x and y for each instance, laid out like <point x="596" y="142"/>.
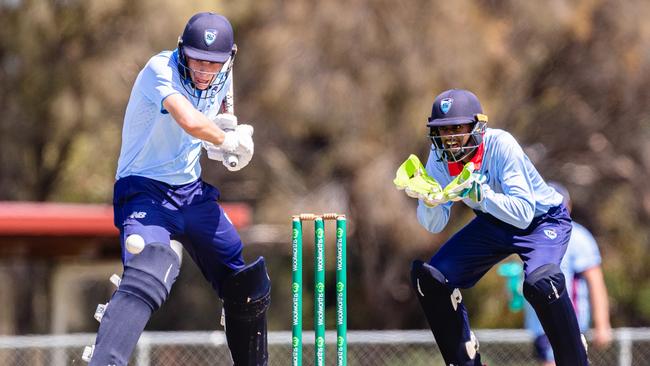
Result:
<point x="516" y="212"/>
<point x="177" y="104"/>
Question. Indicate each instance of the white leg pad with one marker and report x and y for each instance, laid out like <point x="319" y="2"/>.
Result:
<point x="223" y="318"/>
<point x="88" y="353"/>
<point x="456" y="298"/>
<point x="115" y="280"/>
<point x="177" y="246"/>
<point x="99" y="312"/>
<point x="471" y="346"/>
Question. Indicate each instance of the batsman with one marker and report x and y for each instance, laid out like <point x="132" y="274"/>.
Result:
<point x="177" y="105"/>
<point x="516" y="213"/>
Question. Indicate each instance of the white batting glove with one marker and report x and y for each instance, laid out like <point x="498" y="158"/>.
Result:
<point x="231" y="161"/>
<point x="214" y="152"/>
<point x="226" y="121"/>
<point x="230" y="141"/>
<point x="236" y="150"/>
<point x="242" y="154"/>
<point x="238" y="139"/>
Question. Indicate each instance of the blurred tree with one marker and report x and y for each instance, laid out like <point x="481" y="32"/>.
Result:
<point x="49" y="96"/>
<point x="66" y="68"/>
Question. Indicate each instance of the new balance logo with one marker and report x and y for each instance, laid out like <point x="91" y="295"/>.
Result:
<point x="138" y="215"/>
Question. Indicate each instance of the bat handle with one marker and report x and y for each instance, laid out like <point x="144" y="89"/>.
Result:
<point x="231" y="159"/>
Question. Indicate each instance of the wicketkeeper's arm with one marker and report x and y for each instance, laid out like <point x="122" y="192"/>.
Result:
<point x="434" y="219"/>
<point x="516" y="205"/>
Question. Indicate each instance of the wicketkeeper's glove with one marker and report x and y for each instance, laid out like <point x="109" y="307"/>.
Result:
<point x="412" y="177"/>
<point x="467" y="184"/>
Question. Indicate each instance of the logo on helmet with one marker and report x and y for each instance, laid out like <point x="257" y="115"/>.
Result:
<point x="209" y="36"/>
<point x="445" y="105"/>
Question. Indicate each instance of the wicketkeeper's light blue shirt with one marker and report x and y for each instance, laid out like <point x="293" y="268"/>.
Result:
<point x="153" y="144"/>
<point x="514" y="191"/>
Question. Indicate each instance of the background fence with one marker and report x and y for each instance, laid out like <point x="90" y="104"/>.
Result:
<point x="501" y="347"/>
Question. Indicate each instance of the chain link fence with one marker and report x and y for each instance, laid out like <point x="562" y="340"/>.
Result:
<point x="507" y="347"/>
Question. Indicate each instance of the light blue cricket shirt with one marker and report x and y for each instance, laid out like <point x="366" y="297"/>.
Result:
<point x="153" y="144"/>
<point x="514" y="191"/>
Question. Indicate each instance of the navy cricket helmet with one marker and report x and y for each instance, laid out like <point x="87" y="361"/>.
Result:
<point x="207" y="37"/>
<point x="456" y="107"/>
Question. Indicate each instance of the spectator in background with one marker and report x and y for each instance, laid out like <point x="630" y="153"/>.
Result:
<point x="581" y="266"/>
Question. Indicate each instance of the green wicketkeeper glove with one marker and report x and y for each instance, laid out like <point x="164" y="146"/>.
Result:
<point x="412" y="177"/>
<point x="466" y="185"/>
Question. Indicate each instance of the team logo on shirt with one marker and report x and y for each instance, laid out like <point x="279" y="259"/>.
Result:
<point x="550" y="233"/>
<point x="445" y="105"/>
<point x="209" y="36"/>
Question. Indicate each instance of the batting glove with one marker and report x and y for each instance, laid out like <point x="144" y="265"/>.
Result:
<point x="226" y="121"/>
<point x="214" y="152"/>
<point x="237" y="149"/>
<point x="243" y="151"/>
<point x="230" y="141"/>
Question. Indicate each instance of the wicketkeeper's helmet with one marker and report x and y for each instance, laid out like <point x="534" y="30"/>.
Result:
<point x="456" y="107"/>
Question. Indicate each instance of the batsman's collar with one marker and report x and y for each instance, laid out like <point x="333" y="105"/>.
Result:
<point x="456" y="167"/>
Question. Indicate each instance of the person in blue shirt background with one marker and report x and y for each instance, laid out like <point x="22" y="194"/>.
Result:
<point x="581" y="266"/>
<point x="516" y="213"/>
<point x="178" y="101"/>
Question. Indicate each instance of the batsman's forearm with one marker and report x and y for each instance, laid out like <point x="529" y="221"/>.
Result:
<point x="202" y="128"/>
<point x="192" y="121"/>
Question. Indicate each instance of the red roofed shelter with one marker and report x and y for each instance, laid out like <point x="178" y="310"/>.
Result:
<point x="51" y="229"/>
<point x="52" y="253"/>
